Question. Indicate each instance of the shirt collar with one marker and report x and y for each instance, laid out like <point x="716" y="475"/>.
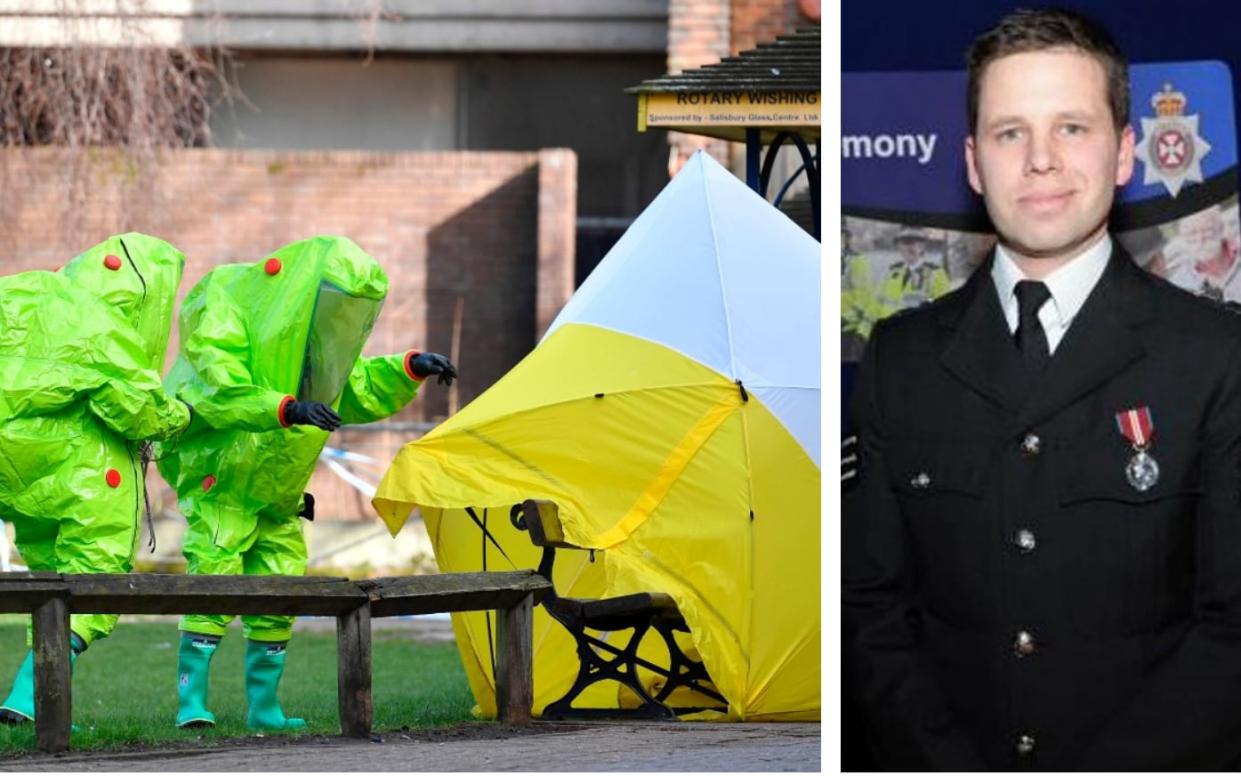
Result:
<point x="1069" y="285"/>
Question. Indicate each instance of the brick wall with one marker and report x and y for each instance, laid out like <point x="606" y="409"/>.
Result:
<point x="698" y="34"/>
<point x="702" y="32"/>
<point x="761" y="21"/>
<point x="556" y="278"/>
<point x="446" y="227"/>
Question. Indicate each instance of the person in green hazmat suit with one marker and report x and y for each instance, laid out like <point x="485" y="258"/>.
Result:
<point x="270" y="362"/>
<point x="81" y="351"/>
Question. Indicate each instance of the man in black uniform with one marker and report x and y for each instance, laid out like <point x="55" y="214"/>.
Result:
<point x="1042" y="542"/>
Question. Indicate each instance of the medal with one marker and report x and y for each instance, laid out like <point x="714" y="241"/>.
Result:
<point x="1138" y="427"/>
<point x="1142" y="471"/>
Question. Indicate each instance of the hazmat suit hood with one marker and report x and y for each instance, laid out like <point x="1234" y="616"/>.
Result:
<point x="309" y="307"/>
<point x="251" y="332"/>
<point x="136" y="276"/>
<point x="351" y="292"/>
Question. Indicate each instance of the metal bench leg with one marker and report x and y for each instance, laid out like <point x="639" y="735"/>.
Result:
<point x="52" y="681"/>
<point x="621" y="668"/>
<point x="353" y="672"/>
<point x="684" y="671"/>
<point x="514" y="662"/>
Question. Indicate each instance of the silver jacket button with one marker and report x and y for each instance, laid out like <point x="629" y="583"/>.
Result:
<point x="1025" y="541"/>
<point x="1031" y="445"/>
<point x="1023" y="644"/>
<point x="1025" y="745"/>
<point x="921" y="481"/>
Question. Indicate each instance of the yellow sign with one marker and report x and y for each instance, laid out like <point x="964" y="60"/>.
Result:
<point x="729" y="109"/>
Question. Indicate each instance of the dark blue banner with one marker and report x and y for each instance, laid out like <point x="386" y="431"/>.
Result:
<point x="903" y="145"/>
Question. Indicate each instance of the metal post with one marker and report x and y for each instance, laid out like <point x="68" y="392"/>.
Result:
<point x="753" y="154"/>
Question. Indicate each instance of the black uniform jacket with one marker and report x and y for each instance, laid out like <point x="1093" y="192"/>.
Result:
<point x="1010" y="599"/>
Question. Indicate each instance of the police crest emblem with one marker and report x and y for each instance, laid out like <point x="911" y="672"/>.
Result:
<point x="1171" y="148"/>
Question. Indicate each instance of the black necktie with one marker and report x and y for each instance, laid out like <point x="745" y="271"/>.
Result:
<point x="1030" y="337"/>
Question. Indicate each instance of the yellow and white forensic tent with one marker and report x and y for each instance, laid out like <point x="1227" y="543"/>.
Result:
<point x="672" y="413"/>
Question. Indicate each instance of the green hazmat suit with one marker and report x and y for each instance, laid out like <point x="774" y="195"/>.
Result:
<point x="81" y="351"/>
<point x="254" y="337"/>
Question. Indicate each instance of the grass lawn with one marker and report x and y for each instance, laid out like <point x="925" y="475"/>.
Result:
<point x="125" y="686"/>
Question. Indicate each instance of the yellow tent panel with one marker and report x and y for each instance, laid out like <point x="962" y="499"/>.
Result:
<point x="672" y="415"/>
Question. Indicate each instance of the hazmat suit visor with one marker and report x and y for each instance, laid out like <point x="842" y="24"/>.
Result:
<point x="339" y="327"/>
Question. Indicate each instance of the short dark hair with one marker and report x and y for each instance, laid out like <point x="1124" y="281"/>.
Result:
<point x="1038" y="30"/>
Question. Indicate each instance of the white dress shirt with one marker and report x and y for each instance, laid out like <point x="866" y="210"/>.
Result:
<point x="1069" y="286"/>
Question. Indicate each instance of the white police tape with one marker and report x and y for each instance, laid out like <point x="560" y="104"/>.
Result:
<point x="332" y="456"/>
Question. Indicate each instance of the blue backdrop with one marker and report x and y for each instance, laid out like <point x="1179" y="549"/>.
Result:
<point x="921" y="35"/>
<point x="903" y="35"/>
<point x="902" y="139"/>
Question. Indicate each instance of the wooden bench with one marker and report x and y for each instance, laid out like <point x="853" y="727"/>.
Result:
<point x="51" y="598"/>
<point x="599" y="660"/>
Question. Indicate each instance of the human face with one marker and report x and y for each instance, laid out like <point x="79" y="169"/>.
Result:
<point x="911" y="250"/>
<point x="1045" y="155"/>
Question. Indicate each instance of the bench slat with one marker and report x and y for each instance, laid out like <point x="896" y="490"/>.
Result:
<point x="211" y="594"/>
<point x="25" y="591"/>
<point x="453" y="592"/>
<point x="25" y="597"/>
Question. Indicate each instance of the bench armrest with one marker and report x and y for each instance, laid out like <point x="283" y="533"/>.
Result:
<point x="543" y="524"/>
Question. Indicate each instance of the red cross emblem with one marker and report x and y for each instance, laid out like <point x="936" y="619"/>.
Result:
<point x="1172" y="149"/>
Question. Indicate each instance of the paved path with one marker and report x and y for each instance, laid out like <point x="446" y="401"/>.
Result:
<point x="544" y="746"/>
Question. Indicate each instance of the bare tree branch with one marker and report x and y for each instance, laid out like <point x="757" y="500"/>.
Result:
<point x="118" y="105"/>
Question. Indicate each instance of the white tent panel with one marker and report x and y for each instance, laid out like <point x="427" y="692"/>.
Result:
<point x="712" y="270"/>
<point x="770" y="269"/>
<point x="799" y="410"/>
<point x="660" y="281"/>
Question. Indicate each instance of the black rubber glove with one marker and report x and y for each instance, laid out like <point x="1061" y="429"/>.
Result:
<point x="308" y="507"/>
<point x="425" y="364"/>
<point x="311" y="413"/>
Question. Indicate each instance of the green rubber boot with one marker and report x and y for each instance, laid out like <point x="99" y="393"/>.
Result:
<point x="264" y="666"/>
<point x="18" y="708"/>
<point x="193" y="669"/>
